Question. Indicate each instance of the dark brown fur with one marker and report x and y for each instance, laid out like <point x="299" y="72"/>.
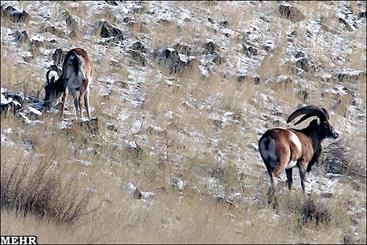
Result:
<point x="286" y="151"/>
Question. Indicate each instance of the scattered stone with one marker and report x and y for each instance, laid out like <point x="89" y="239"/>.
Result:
<point x="107" y="30"/>
<point x="137" y="194"/>
<point x="36" y="43"/>
<point x="303" y="64"/>
<point x="139" y="10"/>
<point x="165" y="22"/>
<point x="8" y="104"/>
<point x="362" y="15"/>
<point x="250" y="50"/>
<point x="177" y="62"/>
<point x="224" y="23"/>
<point x="137" y="57"/>
<point x="210" y="47"/>
<point x="21" y="37"/>
<point x="299" y="54"/>
<point x="178" y="183"/>
<point x="213" y="172"/>
<point x="127" y="19"/>
<point x="350" y="76"/>
<point x="131" y="188"/>
<point x="327" y="195"/>
<point x="211" y="20"/>
<point x="73" y="34"/>
<point x="91" y="125"/>
<point x="53" y="30"/>
<point x="71" y="22"/>
<point x="244" y="77"/>
<point x="282" y="79"/>
<point x="347" y="26"/>
<point x="218" y="59"/>
<point x="137" y="26"/>
<point x="15" y="15"/>
<point x="183" y="49"/>
<point x="290" y="13"/>
<point x="112" y="128"/>
<point x="111" y="2"/>
<point x="138" y="46"/>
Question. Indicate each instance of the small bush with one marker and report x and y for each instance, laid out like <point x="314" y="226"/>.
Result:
<point x="316" y="212"/>
<point x="37" y="188"/>
<point x="339" y="159"/>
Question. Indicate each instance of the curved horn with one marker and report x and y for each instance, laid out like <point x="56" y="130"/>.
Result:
<point x="53" y="68"/>
<point x="47" y="76"/>
<point x="309" y="111"/>
<point x="57" y="69"/>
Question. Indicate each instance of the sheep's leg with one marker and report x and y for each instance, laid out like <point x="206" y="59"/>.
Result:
<point x="289" y="177"/>
<point x="64" y="99"/>
<point x="302" y="174"/>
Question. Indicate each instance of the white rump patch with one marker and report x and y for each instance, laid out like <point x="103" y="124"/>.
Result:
<point x="295" y="140"/>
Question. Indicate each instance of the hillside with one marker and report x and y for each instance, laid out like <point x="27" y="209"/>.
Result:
<point x="182" y="92"/>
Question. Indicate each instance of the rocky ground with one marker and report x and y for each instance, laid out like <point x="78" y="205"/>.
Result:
<point x="184" y="90"/>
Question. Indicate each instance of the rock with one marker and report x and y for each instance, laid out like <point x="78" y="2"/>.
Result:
<point x="347" y="26"/>
<point x="131" y="188"/>
<point x="210" y="47"/>
<point x="138" y="57"/>
<point x="303" y="64"/>
<point x="290" y="13"/>
<point x="362" y="15"/>
<point x="112" y="128"/>
<point x="15" y="15"/>
<point x="250" y="50"/>
<point x="31" y="113"/>
<point x="224" y="23"/>
<point x="178" y="183"/>
<point x="327" y="195"/>
<point x="137" y="26"/>
<point x="91" y="125"/>
<point x="138" y="10"/>
<point x="218" y="59"/>
<point x="36" y="43"/>
<point x="350" y="76"/>
<point x="71" y="22"/>
<point x="73" y="34"/>
<point x="111" y="2"/>
<point x="8" y="104"/>
<point x="165" y="22"/>
<point x="177" y="62"/>
<point x="213" y="172"/>
<point x="53" y="30"/>
<point x="299" y="54"/>
<point x="183" y="49"/>
<point x="107" y="30"/>
<point x="244" y="77"/>
<point x="138" y="46"/>
<point x="282" y="79"/>
<point x="21" y="37"/>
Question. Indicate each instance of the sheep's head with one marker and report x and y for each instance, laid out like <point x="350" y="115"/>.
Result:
<point x="324" y="128"/>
